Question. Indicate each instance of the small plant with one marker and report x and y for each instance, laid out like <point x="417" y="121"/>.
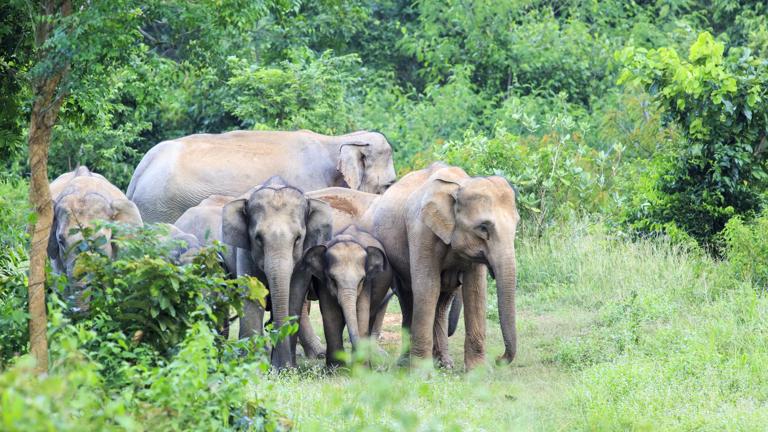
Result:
<point x="745" y="244"/>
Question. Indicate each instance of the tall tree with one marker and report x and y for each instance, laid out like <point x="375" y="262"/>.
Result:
<point x="48" y="97"/>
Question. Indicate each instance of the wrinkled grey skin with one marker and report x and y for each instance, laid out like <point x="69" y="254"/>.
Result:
<point x="441" y="228"/>
<point x="271" y="227"/>
<point x="80" y="198"/>
<point x="353" y="277"/>
<point x="204" y="222"/>
<point x="176" y="175"/>
<point x="348" y="205"/>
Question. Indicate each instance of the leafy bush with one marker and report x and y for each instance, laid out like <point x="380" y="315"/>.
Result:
<point x="14" y="263"/>
<point x="718" y="102"/>
<point x="555" y="171"/>
<point x="197" y="390"/>
<point x="304" y="91"/>
<point x="746" y="248"/>
<point x="147" y="297"/>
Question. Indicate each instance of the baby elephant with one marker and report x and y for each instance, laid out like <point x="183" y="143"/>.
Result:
<point x="353" y="277"/>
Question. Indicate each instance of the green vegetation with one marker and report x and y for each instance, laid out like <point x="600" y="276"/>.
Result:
<point x="635" y="133"/>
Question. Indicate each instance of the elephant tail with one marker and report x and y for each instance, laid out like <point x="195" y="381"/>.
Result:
<point x="453" y="315"/>
<point x="384" y="302"/>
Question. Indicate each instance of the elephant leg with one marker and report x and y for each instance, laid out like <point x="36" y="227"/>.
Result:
<point x="405" y="298"/>
<point x="310" y="342"/>
<point x="333" y="327"/>
<point x="378" y="304"/>
<point x="426" y="290"/>
<point x="252" y="321"/>
<point x="378" y="319"/>
<point x="474" y="287"/>
<point x="440" y="335"/>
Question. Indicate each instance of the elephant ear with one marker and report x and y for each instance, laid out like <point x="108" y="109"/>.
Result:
<point x="351" y="164"/>
<point x="314" y="260"/>
<point x="125" y="211"/>
<point x="437" y="208"/>
<point x="375" y="261"/>
<point x="319" y="223"/>
<point x="234" y="224"/>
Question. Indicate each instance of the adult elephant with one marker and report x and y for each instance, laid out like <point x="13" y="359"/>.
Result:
<point x="271" y="226"/>
<point x="176" y="175"/>
<point x="441" y="228"/>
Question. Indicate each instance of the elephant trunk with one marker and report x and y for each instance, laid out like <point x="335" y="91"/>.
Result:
<point x="348" y="303"/>
<point x="505" y="272"/>
<point x="278" y="267"/>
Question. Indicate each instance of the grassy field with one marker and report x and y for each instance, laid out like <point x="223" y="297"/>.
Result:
<point x="613" y="335"/>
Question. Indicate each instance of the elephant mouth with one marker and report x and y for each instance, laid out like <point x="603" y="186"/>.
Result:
<point x="477" y="257"/>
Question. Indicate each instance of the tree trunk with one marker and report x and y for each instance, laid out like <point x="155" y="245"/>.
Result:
<point x="45" y="110"/>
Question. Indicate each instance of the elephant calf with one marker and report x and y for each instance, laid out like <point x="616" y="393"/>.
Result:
<point x="353" y="278"/>
<point x="204" y="222"/>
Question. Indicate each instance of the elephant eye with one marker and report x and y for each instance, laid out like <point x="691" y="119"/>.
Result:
<point x="483" y="230"/>
<point x="298" y="239"/>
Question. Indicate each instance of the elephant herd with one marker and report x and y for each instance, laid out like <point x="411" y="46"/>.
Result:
<point x="318" y="217"/>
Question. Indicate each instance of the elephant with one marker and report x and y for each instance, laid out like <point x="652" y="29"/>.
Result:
<point x="204" y="222"/>
<point x="271" y="225"/>
<point x="184" y="246"/>
<point x="177" y="174"/>
<point x="347" y="205"/>
<point x="81" y="198"/>
<point x="441" y="228"/>
<point x="353" y="277"/>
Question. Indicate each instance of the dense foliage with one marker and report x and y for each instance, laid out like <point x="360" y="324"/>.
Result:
<point x="719" y="102"/>
<point x="14" y="263"/>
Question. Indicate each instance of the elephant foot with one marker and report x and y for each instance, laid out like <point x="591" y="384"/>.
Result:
<point x="473" y="362"/>
<point x="314" y="352"/>
<point x="404" y="360"/>
<point x="444" y="362"/>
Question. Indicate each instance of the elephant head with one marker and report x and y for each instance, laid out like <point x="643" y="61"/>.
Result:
<point x="477" y="217"/>
<point x="365" y="162"/>
<point x="349" y="270"/>
<point x="75" y="210"/>
<point x="275" y="223"/>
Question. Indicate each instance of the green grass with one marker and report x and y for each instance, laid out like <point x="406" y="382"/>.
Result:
<point x="613" y="335"/>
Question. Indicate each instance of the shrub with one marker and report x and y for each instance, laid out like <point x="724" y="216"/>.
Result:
<point x="717" y="100"/>
<point x="304" y="91"/>
<point x="14" y="263"/>
<point x="746" y="248"/>
<point x="555" y="172"/>
<point x="147" y="297"/>
<point x="199" y="389"/>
